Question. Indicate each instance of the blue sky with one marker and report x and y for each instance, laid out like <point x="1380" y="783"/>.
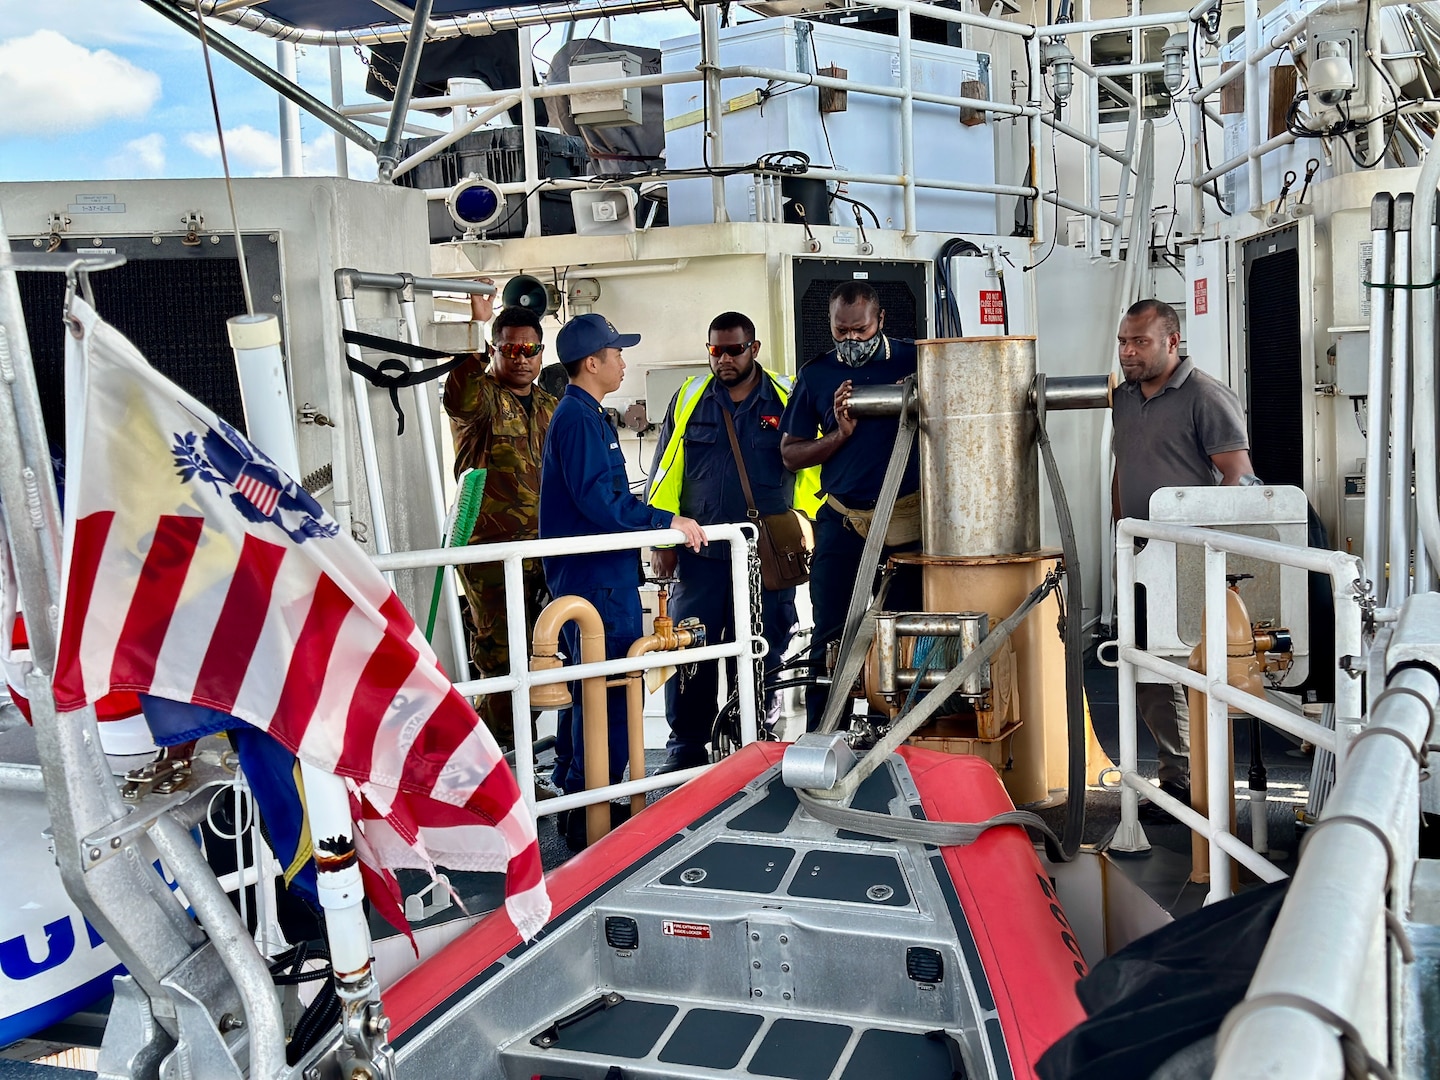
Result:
<point x="93" y="89"/>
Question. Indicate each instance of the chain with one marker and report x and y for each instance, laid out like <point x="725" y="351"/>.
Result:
<point x="374" y="69"/>
<point x="757" y="628"/>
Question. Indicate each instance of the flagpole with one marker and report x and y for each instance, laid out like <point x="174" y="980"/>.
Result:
<point x="260" y="365"/>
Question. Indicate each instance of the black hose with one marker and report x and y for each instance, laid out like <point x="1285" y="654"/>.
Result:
<point x="1074" y="645"/>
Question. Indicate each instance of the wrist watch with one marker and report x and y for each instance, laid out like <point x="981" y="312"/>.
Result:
<point x="1250" y="480"/>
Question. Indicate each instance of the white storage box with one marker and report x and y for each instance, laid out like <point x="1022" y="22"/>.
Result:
<point x="865" y="138"/>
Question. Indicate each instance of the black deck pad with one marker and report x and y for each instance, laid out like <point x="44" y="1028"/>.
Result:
<point x="771" y="814"/>
<point x="711" y="1039"/>
<point x="899" y="1055"/>
<point x="628" y="1029"/>
<point x="874" y="794"/>
<point x="753" y="868"/>
<point x="848" y="875"/>
<point x="800" y="1050"/>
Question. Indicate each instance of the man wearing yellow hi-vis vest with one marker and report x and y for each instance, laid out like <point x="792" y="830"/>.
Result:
<point x="695" y="474"/>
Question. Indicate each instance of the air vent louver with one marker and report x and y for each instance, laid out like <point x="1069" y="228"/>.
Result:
<point x="621" y="932"/>
<point x="924" y="965"/>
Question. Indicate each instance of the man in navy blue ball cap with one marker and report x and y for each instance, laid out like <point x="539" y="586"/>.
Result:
<point x="584" y="490"/>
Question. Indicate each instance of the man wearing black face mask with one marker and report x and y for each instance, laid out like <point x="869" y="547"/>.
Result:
<point x="819" y="429"/>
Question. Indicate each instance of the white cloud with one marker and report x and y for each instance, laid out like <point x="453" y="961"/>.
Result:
<point x="89" y="23"/>
<point x="252" y="152"/>
<point x="140" y="158"/>
<point x="50" y="85"/>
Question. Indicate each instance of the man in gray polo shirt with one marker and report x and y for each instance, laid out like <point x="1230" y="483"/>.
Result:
<point x="1174" y="427"/>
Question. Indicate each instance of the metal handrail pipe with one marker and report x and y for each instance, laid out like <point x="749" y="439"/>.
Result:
<point x="827" y="81"/>
<point x="1229" y="75"/>
<point x="606" y="668"/>
<point x="1427" y="506"/>
<point x="1088" y="140"/>
<point x="1233" y="846"/>
<point x="1106" y="79"/>
<point x="1077" y="208"/>
<point x="896" y="180"/>
<point x="622" y="790"/>
<point x="1399" y="397"/>
<point x="1275" y="715"/>
<point x="18" y="777"/>
<point x="1154" y="67"/>
<point x="1340" y="884"/>
<point x="1124" y="22"/>
<point x="429" y="150"/>
<point x="1345" y="571"/>
<point x="1285" y="138"/>
<point x="548" y="90"/>
<point x="429" y="558"/>
<point x="347" y="281"/>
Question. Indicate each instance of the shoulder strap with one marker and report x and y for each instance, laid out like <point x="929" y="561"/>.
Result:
<point x="739" y="461"/>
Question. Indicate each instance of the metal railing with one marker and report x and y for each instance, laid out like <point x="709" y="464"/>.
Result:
<point x="1305" y="988"/>
<point x="1345" y="573"/>
<point x="491" y="104"/>
<point x="520" y="680"/>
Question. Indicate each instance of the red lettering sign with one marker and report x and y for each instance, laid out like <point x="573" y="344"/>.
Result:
<point x="675" y="928"/>
<point x="1202" y="297"/>
<point x="992" y="307"/>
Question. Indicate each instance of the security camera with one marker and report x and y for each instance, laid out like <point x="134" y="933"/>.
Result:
<point x="1331" y="78"/>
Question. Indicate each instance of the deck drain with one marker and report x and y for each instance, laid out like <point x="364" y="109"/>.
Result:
<point x="879" y="893"/>
<point x="692" y="876"/>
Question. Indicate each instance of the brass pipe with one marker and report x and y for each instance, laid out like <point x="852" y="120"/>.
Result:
<point x="665" y="638"/>
<point x="595" y="714"/>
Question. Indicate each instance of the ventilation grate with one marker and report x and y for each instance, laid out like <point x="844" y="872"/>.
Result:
<point x="621" y="932"/>
<point x="924" y="965"/>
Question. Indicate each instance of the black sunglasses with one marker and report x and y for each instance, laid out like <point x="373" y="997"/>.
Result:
<point x="728" y="350"/>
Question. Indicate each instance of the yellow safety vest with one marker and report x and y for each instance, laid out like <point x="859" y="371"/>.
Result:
<point x="670" y="473"/>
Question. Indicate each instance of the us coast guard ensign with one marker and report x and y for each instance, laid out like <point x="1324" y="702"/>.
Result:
<point x="258" y="490"/>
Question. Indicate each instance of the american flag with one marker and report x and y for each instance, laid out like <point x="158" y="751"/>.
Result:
<point x="220" y="582"/>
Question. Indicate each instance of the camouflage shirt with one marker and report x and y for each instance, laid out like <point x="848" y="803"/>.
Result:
<point x="494" y="430"/>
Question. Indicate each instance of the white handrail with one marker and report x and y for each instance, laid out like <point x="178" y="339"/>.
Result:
<point x="1346" y="574"/>
<point x="512" y="554"/>
<point x="1363" y="848"/>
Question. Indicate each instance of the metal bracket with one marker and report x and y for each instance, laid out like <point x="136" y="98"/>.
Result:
<point x="162" y="776"/>
<point x="98" y="847"/>
<point x="193" y="221"/>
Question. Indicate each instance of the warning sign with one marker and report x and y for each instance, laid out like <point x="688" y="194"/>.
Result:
<point x="674" y="928"/>
<point x="992" y="307"/>
<point x="1202" y="297"/>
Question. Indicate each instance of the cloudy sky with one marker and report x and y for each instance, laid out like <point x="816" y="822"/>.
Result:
<point x="107" y="89"/>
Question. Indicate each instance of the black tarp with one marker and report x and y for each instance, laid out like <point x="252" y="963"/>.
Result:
<point x="1166" y="993"/>
<point x="494" y="58"/>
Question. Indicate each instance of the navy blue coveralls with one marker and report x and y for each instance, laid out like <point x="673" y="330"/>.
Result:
<point x="584" y="490"/>
<point x="710" y="493"/>
<point x="854" y="476"/>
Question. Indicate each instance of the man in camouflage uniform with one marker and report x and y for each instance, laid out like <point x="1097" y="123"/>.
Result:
<point x="499" y="416"/>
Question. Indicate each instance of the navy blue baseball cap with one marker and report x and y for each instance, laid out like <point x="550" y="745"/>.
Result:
<point x="586" y="335"/>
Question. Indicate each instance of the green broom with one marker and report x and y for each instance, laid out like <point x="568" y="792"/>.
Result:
<point x="458" y="528"/>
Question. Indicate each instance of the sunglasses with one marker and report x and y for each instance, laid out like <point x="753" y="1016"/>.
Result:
<point x="512" y="351"/>
<point x="728" y="350"/>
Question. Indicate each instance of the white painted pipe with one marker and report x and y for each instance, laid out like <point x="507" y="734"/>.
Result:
<point x="1377" y="395"/>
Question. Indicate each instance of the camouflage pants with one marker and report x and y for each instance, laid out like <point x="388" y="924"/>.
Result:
<point x="484" y="585"/>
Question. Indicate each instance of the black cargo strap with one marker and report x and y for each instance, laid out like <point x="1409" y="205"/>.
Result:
<point x="391" y="373"/>
<point x="939" y="833"/>
<point x="1359" y="1065"/>
<point x="859" y="619"/>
